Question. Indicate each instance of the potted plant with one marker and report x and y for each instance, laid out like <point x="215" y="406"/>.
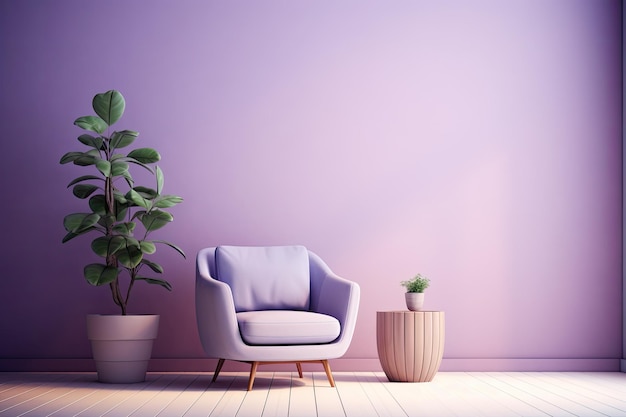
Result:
<point x="122" y="215"/>
<point x="414" y="295"/>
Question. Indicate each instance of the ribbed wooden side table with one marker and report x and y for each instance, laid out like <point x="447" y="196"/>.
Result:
<point x="410" y="344"/>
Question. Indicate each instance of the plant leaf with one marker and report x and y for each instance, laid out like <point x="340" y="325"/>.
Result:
<point x="98" y="274"/>
<point x="153" y="265"/>
<point x="119" y="168"/>
<point x="125" y="228"/>
<point x="130" y="254"/>
<point x="123" y="138"/>
<point x="163" y="283"/>
<point x="171" y="245"/>
<point x="87" y="158"/>
<point x="145" y="155"/>
<point x="119" y="197"/>
<point x="121" y="210"/>
<point x="107" y="221"/>
<point x="145" y="192"/>
<point x="137" y="199"/>
<point x="104" y="167"/>
<point x="139" y="214"/>
<point x="70" y="157"/>
<point x="92" y="123"/>
<point x="107" y="245"/>
<point x="109" y="106"/>
<point x="69" y="236"/>
<point x="84" y="190"/>
<point x="156" y="219"/>
<point x="166" y="201"/>
<point x="77" y="222"/>
<point x="97" y="204"/>
<point x="160" y="180"/>
<point x="129" y="179"/>
<point x="84" y="178"/>
<point x="92" y="141"/>
<point x="147" y="247"/>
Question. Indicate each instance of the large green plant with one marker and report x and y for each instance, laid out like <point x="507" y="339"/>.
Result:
<point x="115" y="213"/>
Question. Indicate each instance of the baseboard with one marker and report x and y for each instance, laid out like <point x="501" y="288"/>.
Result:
<point x="338" y="365"/>
<point x="530" y="365"/>
<point x="173" y="365"/>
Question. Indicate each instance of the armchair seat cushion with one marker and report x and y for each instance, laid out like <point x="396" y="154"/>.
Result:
<point x="287" y="327"/>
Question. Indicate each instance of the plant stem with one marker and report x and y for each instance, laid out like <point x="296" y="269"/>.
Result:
<point x="117" y="296"/>
<point x="133" y="273"/>
<point x="110" y="209"/>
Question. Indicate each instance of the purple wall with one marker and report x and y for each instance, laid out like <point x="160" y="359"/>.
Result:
<point x="477" y="142"/>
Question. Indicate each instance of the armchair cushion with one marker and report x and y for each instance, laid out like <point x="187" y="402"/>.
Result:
<point x="287" y="327"/>
<point x="265" y="278"/>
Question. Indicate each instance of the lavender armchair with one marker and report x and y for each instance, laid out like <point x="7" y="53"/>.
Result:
<point x="272" y="304"/>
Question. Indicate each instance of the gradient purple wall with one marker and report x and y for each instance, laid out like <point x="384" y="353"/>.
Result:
<point x="477" y="142"/>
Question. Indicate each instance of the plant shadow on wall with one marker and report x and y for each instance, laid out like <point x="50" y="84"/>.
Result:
<point x="118" y="216"/>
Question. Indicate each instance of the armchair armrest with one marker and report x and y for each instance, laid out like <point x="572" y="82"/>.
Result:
<point x="215" y="311"/>
<point x="335" y="296"/>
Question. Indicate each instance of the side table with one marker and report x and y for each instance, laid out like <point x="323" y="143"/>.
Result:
<point x="410" y="344"/>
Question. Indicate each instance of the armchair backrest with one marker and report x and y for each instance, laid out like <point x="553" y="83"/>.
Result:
<point x="265" y="277"/>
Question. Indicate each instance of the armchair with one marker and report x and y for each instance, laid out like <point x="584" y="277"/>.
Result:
<point x="273" y="304"/>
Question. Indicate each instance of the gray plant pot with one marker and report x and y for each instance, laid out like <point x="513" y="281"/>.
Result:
<point x="414" y="301"/>
<point x="122" y="346"/>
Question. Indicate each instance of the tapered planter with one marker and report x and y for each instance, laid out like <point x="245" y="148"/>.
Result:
<point x="122" y="346"/>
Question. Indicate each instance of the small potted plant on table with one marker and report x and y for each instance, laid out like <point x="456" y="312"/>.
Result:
<point x="414" y="295"/>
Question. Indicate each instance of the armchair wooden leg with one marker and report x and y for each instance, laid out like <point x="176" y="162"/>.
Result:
<point x="255" y="365"/>
<point x="329" y="374"/>
<point x="220" y="363"/>
<point x="252" y="375"/>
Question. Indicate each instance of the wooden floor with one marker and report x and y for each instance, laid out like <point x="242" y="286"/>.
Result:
<point x="361" y="394"/>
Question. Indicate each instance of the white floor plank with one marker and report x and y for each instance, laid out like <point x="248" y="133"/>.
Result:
<point x="30" y="396"/>
<point x="188" y="396"/>
<point x="122" y="394"/>
<point x="419" y="399"/>
<point x="160" y="399"/>
<point x="503" y="396"/>
<point x="84" y="398"/>
<point x="326" y="397"/>
<point x="70" y="392"/>
<point x="277" y="401"/>
<point x="532" y="398"/>
<point x="229" y="404"/>
<point x="353" y="398"/>
<point x="382" y="401"/>
<point x="586" y="395"/>
<point x="130" y="404"/>
<point x="302" y="400"/>
<point x="483" y="399"/>
<point x="454" y="398"/>
<point x="253" y="402"/>
<point x="555" y="396"/>
<point x="612" y="384"/>
<point x="211" y="396"/>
